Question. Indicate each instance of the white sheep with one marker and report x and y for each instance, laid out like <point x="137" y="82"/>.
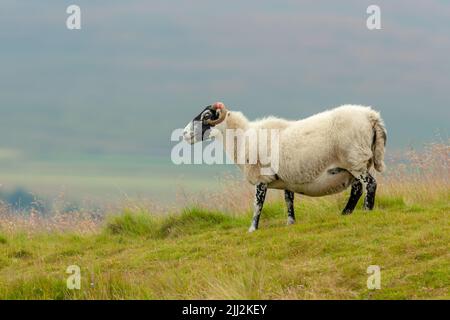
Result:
<point x="319" y="155"/>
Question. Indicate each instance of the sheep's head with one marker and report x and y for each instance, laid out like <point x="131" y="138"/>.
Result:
<point x="202" y="126"/>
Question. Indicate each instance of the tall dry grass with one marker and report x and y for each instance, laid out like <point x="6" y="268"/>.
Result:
<point x="34" y="222"/>
<point x="418" y="176"/>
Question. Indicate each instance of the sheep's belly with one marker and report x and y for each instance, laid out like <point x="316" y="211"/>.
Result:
<point x="332" y="181"/>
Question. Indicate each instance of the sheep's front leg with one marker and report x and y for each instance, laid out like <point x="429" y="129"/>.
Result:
<point x="289" y="198"/>
<point x="260" y="196"/>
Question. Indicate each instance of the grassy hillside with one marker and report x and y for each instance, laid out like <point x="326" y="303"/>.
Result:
<point x="204" y="254"/>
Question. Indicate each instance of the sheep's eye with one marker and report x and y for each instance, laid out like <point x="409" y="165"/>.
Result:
<point x="206" y="116"/>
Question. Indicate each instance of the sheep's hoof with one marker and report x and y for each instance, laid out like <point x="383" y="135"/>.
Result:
<point x="252" y="229"/>
<point x="290" y="221"/>
<point x="347" y="212"/>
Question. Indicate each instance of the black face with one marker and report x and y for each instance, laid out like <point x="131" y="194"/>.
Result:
<point x="198" y="129"/>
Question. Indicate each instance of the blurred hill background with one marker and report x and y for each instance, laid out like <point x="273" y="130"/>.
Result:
<point x="90" y="112"/>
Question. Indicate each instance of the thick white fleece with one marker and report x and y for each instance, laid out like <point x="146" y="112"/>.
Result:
<point x="351" y="137"/>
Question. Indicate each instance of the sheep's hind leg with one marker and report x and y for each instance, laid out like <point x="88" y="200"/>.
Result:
<point x="371" y="188"/>
<point x="289" y="198"/>
<point x="260" y="196"/>
<point x="355" y="194"/>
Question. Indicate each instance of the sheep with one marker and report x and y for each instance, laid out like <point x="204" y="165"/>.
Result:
<point x="319" y="155"/>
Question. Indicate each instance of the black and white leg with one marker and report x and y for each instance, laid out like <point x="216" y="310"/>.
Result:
<point x="355" y="194"/>
<point x="260" y="196"/>
<point x="289" y="198"/>
<point x="371" y="189"/>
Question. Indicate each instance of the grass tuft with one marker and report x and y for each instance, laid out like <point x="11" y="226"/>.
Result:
<point x="190" y="221"/>
<point x="390" y="202"/>
<point x="195" y="220"/>
<point x="132" y="224"/>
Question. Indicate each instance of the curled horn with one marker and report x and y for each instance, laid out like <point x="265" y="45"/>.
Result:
<point x="219" y="106"/>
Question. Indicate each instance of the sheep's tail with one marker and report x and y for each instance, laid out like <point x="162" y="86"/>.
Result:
<point x="379" y="141"/>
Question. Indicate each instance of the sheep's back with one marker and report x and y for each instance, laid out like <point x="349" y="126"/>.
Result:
<point x="341" y="136"/>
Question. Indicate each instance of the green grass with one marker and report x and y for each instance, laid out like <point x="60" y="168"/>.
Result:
<point x="200" y="254"/>
<point x="190" y="221"/>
